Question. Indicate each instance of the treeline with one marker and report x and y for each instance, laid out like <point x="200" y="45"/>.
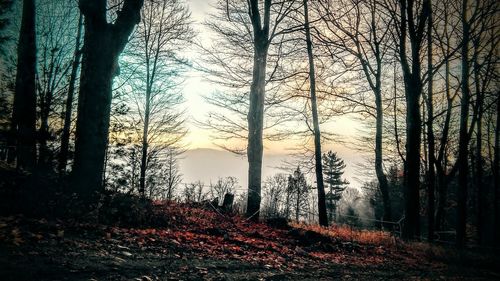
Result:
<point x="142" y="108"/>
<point x="422" y="76"/>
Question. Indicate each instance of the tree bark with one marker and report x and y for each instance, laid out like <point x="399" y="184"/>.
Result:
<point x="63" y="154"/>
<point x="481" y="191"/>
<point x="256" y="109"/>
<point x="103" y="43"/>
<point x="431" y="175"/>
<point x="144" y="155"/>
<point x="379" y="169"/>
<point x="439" y="163"/>
<point x="463" y="168"/>
<point x="23" y="124"/>
<point x="323" y="218"/>
<point x="413" y="91"/>
<point x="496" y="173"/>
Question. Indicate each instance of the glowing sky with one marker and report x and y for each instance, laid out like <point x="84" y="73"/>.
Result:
<point x="196" y="87"/>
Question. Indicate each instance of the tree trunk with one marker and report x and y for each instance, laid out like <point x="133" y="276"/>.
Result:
<point x="439" y="163"/>
<point x="94" y="103"/>
<point x="23" y="124"/>
<point x="431" y="176"/>
<point x="379" y="169"/>
<point x="256" y="107"/>
<point x="496" y="173"/>
<point x="463" y="168"/>
<point x="144" y="155"/>
<point x="413" y="91"/>
<point x="297" y="206"/>
<point x="412" y="186"/>
<point x="255" y="128"/>
<point x="43" y="132"/>
<point x="323" y="218"/>
<point x="103" y="43"/>
<point x="481" y="191"/>
<point x="63" y="154"/>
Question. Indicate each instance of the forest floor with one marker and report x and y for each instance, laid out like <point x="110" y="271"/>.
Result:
<point x="196" y="243"/>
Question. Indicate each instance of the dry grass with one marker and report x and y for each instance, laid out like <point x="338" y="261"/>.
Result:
<point x="346" y="233"/>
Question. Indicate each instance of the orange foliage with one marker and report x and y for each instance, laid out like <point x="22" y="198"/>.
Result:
<point x="345" y="233"/>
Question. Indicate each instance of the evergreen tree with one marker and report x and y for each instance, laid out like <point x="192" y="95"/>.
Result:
<point x="333" y="169"/>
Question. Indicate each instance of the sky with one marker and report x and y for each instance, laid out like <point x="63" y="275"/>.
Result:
<point x="199" y="163"/>
<point x="196" y="87"/>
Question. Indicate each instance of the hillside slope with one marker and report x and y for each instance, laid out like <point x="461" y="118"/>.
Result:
<point x="195" y="243"/>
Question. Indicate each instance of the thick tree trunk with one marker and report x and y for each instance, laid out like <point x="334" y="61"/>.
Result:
<point x="463" y="168"/>
<point x="413" y="134"/>
<point x="63" y="154"/>
<point x="413" y="91"/>
<point x="23" y="124"/>
<point x="442" y="200"/>
<point x="94" y="104"/>
<point x="255" y="128"/>
<point x="323" y="219"/>
<point x="255" y="115"/>
<point x="103" y="43"/>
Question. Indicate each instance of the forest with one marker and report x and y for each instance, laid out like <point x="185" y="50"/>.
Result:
<point x="99" y="111"/>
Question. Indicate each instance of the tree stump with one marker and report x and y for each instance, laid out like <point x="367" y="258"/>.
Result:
<point x="227" y="204"/>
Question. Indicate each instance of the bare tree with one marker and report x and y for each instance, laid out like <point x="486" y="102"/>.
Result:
<point x="193" y="192"/>
<point x="56" y="27"/>
<point x="411" y="17"/>
<point x="253" y="29"/>
<point x="323" y="218"/>
<point x="431" y="173"/>
<point x="275" y="190"/>
<point x="68" y="111"/>
<point x="171" y="173"/>
<point x="360" y="40"/>
<point x="155" y="67"/>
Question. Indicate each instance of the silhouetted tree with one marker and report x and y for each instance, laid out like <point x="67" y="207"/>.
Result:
<point x="103" y="43"/>
<point x="323" y="219"/>
<point x="56" y="28"/>
<point x="411" y="22"/>
<point x="23" y="123"/>
<point x="68" y="110"/>
<point x="155" y="65"/>
<point x="362" y="33"/>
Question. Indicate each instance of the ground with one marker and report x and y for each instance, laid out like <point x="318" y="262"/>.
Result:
<point x="197" y="243"/>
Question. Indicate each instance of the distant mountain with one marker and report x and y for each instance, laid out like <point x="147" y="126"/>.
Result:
<point x="206" y="164"/>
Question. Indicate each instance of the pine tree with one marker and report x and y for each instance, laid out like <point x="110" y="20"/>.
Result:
<point x="333" y="169"/>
